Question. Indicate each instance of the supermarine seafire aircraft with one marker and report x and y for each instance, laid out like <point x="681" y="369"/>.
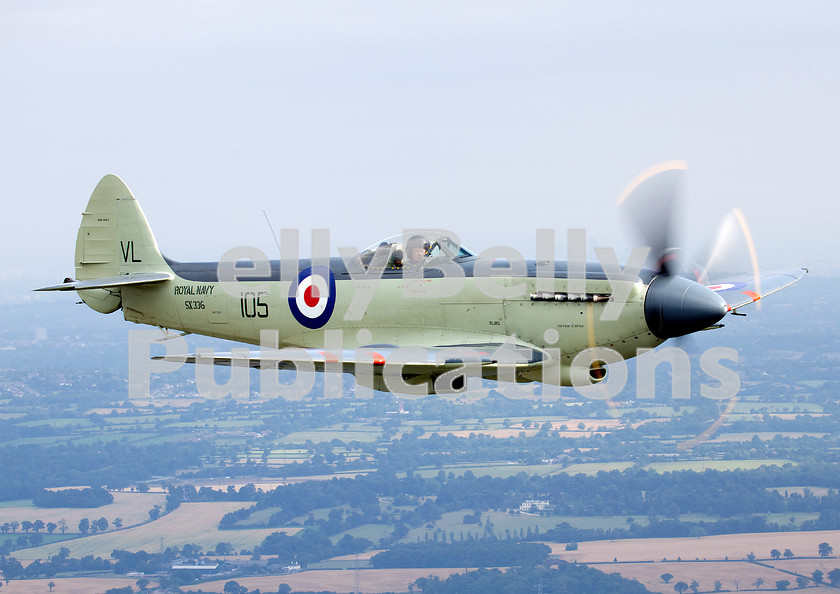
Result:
<point x="416" y="313"/>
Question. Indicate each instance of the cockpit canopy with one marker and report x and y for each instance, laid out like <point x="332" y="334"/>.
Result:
<point x="413" y="248"/>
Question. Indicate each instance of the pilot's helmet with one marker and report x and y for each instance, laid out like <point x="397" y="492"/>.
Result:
<point x="416" y="241"/>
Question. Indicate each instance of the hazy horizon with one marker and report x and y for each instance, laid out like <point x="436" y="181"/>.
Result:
<point x="491" y="120"/>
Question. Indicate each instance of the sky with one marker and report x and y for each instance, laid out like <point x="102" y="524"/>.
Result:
<point x="490" y="119"/>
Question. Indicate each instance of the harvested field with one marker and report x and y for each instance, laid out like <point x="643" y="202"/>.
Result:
<point x="133" y="508"/>
<point x="734" y="546"/>
<point x="370" y="580"/>
<point x="589" y="424"/>
<point x="195" y="523"/>
<point x="733" y="575"/>
<point x="806" y="566"/>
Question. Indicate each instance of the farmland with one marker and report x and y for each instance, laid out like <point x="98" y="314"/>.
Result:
<point x="195" y="523"/>
<point x="383" y="472"/>
<point x="708" y="559"/>
<point x="131" y="507"/>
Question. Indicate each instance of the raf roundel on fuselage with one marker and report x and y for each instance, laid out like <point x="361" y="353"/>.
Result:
<point x="312" y="299"/>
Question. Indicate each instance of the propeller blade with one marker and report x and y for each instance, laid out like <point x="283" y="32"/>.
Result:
<point x="651" y="201"/>
<point x="732" y="251"/>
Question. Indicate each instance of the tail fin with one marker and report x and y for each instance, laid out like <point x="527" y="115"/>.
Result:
<point x="115" y="248"/>
<point x="114" y="238"/>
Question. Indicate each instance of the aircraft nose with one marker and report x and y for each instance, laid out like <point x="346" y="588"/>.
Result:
<point x="676" y="306"/>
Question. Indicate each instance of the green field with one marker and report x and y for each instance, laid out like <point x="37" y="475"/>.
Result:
<point x="58" y="423"/>
<point x="39" y="440"/>
<point x="593" y="468"/>
<point x="701" y="465"/>
<point x="320" y="436"/>
<point x="496" y="470"/>
<point x="764" y="435"/>
<point x="372" y="532"/>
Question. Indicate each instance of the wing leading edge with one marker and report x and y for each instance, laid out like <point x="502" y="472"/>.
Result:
<point x="743" y="290"/>
<point x="415" y="365"/>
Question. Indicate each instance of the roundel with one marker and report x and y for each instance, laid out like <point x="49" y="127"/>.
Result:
<point x="312" y="299"/>
<point x="727" y="287"/>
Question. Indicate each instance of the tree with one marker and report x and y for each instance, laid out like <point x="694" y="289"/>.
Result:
<point x="817" y="576"/>
<point x="224" y="548"/>
<point x="51" y="526"/>
<point x="694" y="586"/>
<point x="26" y="525"/>
<point x="825" y="549"/>
<point x="191" y="550"/>
<point x="102" y="524"/>
<point x="233" y="587"/>
<point x="751" y="557"/>
<point x="718" y="585"/>
<point x="51" y="585"/>
<point x="782" y="584"/>
<point x="154" y="513"/>
<point x="143" y="584"/>
<point x="834" y="577"/>
<point x="788" y="554"/>
<point x="775" y="553"/>
<point x="62" y="525"/>
<point x="801" y="582"/>
<point x="38" y="525"/>
<point x="118" y="523"/>
<point x="666" y="577"/>
<point x="758" y="583"/>
<point x="84" y="525"/>
<point x="681" y="587"/>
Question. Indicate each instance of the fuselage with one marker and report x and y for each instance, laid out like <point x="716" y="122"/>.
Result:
<point x="422" y="307"/>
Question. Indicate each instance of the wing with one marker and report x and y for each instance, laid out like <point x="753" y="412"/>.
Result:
<point x="741" y="291"/>
<point x="416" y="365"/>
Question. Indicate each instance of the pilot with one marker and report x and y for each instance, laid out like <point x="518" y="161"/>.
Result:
<point x="417" y="246"/>
<point x="396" y="258"/>
<point x="367" y="257"/>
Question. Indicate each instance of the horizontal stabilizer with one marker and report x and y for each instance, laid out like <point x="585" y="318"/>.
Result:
<point x="741" y="291"/>
<point x="112" y="282"/>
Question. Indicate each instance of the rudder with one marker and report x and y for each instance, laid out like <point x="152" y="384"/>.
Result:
<point x="114" y="239"/>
